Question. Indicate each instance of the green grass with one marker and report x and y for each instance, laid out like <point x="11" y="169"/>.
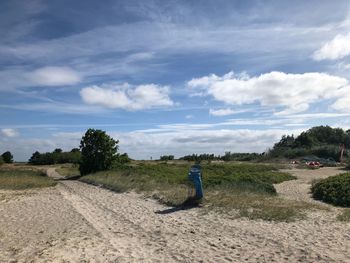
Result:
<point x="244" y="188"/>
<point x="344" y="216"/>
<point x="19" y="179"/>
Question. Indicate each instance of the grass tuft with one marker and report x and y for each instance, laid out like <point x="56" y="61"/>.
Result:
<point x="344" y="216"/>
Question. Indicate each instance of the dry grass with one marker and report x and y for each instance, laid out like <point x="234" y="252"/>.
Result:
<point x="344" y="216"/>
<point x="21" y="178"/>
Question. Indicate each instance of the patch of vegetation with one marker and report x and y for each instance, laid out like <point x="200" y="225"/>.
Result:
<point x="334" y="190"/>
<point x="247" y="188"/>
<point x="19" y="179"/>
<point x="259" y="206"/>
<point x="344" y="216"/>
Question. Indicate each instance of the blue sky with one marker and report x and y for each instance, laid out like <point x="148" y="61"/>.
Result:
<point x="171" y="77"/>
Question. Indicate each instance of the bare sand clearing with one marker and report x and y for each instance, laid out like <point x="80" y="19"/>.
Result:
<point x="76" y="222"/>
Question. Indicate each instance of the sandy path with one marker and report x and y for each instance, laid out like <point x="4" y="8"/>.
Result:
<point x="300" y="189"/>
<point x="76" y="222"/>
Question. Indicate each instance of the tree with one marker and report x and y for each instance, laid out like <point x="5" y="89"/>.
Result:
<point x="35" y="158"/>
<point x="98" y="151"/>
<point x="7" y="157"/>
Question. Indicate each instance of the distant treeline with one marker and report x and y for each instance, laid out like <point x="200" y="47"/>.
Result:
<point x="322" y="141"/>
<point x="57" y="156"/>
<point x="212" y="157"/>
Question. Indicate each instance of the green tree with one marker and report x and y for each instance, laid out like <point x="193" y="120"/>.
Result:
<point x="98" y="151"/>
<point x="7" y="157"/>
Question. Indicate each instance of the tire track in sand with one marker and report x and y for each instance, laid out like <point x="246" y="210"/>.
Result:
<point x="128" y="239"/>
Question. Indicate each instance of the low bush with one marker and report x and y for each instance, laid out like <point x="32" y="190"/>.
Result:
<point x="334" y="190"/>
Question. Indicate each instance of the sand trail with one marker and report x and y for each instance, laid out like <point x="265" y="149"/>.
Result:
<point x="299" y="189"/>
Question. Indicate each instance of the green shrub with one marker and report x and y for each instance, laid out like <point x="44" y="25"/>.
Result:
<point x="1" y="160"/>
<point x="334" y="190"/>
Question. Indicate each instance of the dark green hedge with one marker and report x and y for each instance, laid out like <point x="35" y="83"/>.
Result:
<point x="334" y="190"/>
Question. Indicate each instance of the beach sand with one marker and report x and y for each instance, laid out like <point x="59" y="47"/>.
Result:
<point x="76" y="222"/>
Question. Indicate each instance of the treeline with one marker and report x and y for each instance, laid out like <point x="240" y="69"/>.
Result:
<point x="74" y="156"/>
<point x="55" y="157"/>
<point x="228" y="156"/>
<point x="322" y="141"/>
<point x="166" y="157"/>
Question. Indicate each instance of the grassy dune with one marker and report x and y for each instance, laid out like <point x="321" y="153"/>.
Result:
<point x="20" y="178"/>
<point x="246" y="189"/>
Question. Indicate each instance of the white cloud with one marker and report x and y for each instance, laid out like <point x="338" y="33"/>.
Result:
<point x="127" y="97"/>
<point x="54" y="76"/>
<point x="224" y="112"/>
<point x="7" y="132"/>
<point x="337" y="48"/>
<point x="293" y="92"/>
<point x="343" y="104"/>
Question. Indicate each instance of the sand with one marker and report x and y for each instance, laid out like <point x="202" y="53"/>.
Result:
<point x="76" y="222"/>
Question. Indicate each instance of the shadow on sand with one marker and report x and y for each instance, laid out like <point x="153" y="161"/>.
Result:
<point x="189" y="203"/>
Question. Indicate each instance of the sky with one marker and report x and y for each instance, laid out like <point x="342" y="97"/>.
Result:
<point x="171" y="77"/>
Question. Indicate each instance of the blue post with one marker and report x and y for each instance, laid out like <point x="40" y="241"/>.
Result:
<point x="195" y="176"/>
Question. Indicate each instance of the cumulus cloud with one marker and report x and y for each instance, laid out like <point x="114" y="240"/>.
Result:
<point x="127" y="97"/>
<point x="343" y="104"/>
<point x="9" y="132"/>
<point x="337" y="48"/>
<point x="293" y="92"/>
<point x="54" y="76"/>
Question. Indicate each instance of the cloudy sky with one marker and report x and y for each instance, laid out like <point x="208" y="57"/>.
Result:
<point x="171" y="77"/>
